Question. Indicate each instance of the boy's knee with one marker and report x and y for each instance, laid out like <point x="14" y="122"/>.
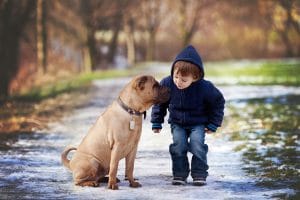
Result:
<point x="198" y="148"/>
<point x="178" y="150"/>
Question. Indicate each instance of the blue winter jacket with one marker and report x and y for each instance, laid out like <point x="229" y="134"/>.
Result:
<point x="200" y="103"/>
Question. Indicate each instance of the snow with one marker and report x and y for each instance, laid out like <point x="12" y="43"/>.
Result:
<point x="32" y="168"/>
<point x="249" y="92"/>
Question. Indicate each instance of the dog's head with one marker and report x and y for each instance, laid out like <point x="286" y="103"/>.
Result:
<point x="150" y="90"/>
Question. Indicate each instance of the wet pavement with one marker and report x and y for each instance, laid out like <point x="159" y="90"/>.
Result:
<point x="30" y="166"/>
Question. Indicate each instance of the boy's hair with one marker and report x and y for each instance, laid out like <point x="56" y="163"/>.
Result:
<point x="187" y="68"/>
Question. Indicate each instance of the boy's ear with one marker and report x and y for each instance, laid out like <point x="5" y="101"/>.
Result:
<point x="139" y="83"/>
<point x="195" y="78"/>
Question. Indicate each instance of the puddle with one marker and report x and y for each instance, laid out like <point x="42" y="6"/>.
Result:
<point x="263" y="131"/>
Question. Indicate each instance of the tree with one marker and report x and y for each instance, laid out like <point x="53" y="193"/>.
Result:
<point x="129" y="25"/>
<point x="116" y="27"/>
<point x="103" y="15"/>
<point x="41" y="36"/>
<point x="279" y="17"/>
<point x="88" y="9"/>
<point x="14" y="16"/>
<point x="288" y="24"/>
<point x="153" y="11"/>
<point x="188" y="12"/>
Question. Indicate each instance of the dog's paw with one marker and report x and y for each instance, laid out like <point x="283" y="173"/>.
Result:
<point x="113" y="186"/>
<point x="105" y="179"/>
<point x="135" y="184"/>
<point x="126" y="179"/>
<point x="89" y="184"/>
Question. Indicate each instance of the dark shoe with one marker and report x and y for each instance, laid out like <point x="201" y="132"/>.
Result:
<point x="178" y="181"/>
<point x="199" y="181"/>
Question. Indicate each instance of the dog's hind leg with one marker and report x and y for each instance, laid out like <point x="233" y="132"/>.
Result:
<point x="86" y="182"/>
<point x="88" y="174"/>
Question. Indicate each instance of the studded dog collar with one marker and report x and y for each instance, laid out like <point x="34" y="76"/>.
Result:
<point x="130" y="110"/>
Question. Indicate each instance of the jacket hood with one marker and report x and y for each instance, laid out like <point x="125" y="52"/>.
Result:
<point x="189" y="54"/>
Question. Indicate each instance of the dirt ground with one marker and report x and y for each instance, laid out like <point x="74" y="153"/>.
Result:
<point x="18" y="116"/>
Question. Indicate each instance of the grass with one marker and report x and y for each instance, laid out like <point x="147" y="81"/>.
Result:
<point x="77" y="82"/>
<point x="258" y="72"/>
<point x="245" y="72"/>
<point x="33" y="109"/>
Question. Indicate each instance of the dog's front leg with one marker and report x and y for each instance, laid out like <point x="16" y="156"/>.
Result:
<point x="130" y="158"/>
<point x="113" y="167"/>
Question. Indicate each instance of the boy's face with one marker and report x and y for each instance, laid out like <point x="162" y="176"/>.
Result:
<point x="182" y="82"/>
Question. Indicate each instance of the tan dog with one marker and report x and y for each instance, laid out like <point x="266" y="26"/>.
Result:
<point x="115" y="135"/>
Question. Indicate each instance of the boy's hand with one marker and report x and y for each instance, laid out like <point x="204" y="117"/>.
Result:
<point x="210" y="128"/>
<point x="156" y="127"/>
<point x="208" y="131"/>
<point x="156" y="130"/>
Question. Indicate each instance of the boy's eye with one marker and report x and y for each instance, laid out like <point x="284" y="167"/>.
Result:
<point x="183" y="80"/>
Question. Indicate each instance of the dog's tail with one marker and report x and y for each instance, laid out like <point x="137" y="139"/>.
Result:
<point x="64" y="154"/>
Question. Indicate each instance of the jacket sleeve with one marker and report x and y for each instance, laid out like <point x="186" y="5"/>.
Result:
<point x="159" y="111"/>
<point x="216" y="103"/>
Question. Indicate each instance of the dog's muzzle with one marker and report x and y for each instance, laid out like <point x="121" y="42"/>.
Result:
<point x="163" y="95"/>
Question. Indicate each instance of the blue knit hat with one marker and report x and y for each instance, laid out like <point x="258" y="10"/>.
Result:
<point x="189" y="54"/>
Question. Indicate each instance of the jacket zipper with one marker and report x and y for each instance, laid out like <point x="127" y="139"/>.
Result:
<point x="181" y="104"/>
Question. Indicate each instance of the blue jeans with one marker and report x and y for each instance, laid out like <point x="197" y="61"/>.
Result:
<point x="188" y="138"/>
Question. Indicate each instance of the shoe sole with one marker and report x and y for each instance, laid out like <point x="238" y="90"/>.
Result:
<point x="199" y="183"/>
<point x="178" y="183"/>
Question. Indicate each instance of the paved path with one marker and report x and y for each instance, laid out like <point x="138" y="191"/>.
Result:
<point x="31" y="169"/>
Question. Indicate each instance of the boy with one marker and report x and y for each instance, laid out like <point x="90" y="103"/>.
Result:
<point x="195" y="106"/>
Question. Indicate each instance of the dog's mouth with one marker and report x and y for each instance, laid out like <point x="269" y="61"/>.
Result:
<point x="163" y="95"/>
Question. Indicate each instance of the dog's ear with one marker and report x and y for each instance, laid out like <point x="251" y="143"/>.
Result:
<point x="140" y="82"/>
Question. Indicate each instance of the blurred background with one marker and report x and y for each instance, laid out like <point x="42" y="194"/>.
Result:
<point x="42" y="41"/>
<point x="52" y="52"/>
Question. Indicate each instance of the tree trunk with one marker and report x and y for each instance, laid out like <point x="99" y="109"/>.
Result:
<point x="41" y="37"/>
<point x="187" y="38"/>
<point x="9" y="58"/>
<point x="128" y="29"/>
<point x="92" y="49"/>
<point x="13" y="20"/>
<point x="151" y="46"/>
<point x="87" y="64"/>
<point x="288" y="24"/>
<point x="188" y="20"/>
<point x="287" y="44"/>
<point x="114" y="41"/>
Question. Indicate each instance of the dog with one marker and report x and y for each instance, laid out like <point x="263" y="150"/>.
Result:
<point x="115" y="135"/>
